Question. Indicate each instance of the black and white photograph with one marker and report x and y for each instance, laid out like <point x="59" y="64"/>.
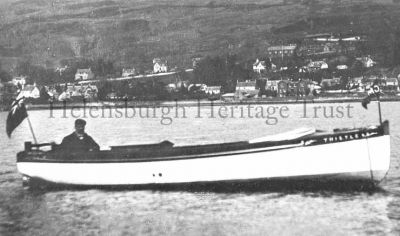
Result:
<point x="199" y="117"/>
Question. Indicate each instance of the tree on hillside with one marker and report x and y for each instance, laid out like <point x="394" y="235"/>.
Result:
<point x="211" y="71"/>
<point x="236" y="72"/>
<point x="103" y="89"/>
<point x="4" y="75"/>
<point x="182" y="75"/>
<point x="396" y="48"/>
<point x="102" y="68"/>
<point x="122" y="88"/>
<point x="216" y="71"/>
<point x="357" y="69"/>
<point x="99" y="67"/>
<point x="36" y="74"/>
<point x="68" y="75"/>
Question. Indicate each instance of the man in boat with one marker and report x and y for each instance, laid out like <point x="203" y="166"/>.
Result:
<point x="79" y="140"/>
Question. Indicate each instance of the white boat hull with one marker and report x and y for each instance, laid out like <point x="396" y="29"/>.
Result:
<point x="365" y="159"/>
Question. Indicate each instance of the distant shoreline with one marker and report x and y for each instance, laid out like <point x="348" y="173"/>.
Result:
<point x="204" y="102"/>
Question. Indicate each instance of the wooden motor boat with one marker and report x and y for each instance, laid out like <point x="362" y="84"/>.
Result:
<point x="349" y="154"/>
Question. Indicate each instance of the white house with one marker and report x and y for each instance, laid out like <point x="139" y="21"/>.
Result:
<point x="75" y="91"/>
<point x="356" y="82"/>
<point x="272" y="85"/>
<point x="128" y="72"/>
<point x="29" y="91"/>
<point x="281" y="50"/>
<point x="196" y="61"/>
<point x="303" y="69"/>
<point x="259" y="66"/>
<point x="393" y="82"/>
<point x="19" y="80"/>
<point x="197" y="87"/>
<point x="61" y="70"/>
<point x="341" y="67"/>
<point x="90" y="91"/>
<point x="366" y="61"/>
<point x="213" y="90"/>
<point x="64" y="96"/>
<point x="317" y="65"/>
<point x="247" y="88"/>
<point x="159" y="65"/>
<point x="84" y="74"/>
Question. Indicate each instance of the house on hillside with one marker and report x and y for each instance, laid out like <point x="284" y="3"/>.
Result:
<point x="318" y="48"/>
<point x="248" y="85"/>
<point x="75" y="91"/>
<point x="329" y="83"/>
<point x="90" y="92"/>
<point x="61" y="70"/>
<point x="281" y="50"/>
<point x="19" y="81"/>
<point x="293" y="89"/>
<point x="212" y="90"/>
<point x="367" y="61"/>
<point x="247" y="88"/>
<point x="196" y="87"/>
<point x="159" y="65"/>
<point x="84" y="74"/>
<point x="317" y="65"/>
<point x="392" y="84"/>
<point x="342" y="67"/>
<point x="196" y="61"/>
<point x="283" y="87"/>
<point x="29" y="91"/>
<point x="272" y="85"/>
<point x="64" y="96"/>
<point x="259" y="66"/>
<point x="128" y="72"/>
<point x="356" y="83"/>
<point x="53" y="93"/>
<point x="79" y="92"/>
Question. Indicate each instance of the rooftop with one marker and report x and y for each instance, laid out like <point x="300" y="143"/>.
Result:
<point x="246" y="84"/>
<point x="282" y="47"/>
<point x="259" y="62"/>
<point x="84" y="70"/>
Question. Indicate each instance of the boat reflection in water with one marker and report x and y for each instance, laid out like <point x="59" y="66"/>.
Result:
<point x="358" y="154"/>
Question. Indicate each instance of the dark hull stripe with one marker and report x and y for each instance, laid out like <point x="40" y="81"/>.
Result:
<point x="336" y="182"/>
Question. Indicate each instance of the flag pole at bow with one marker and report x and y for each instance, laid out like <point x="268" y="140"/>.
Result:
<point x="379" y="108"/>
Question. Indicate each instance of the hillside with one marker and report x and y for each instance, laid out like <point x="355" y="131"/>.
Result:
<point x="133" y="32"/>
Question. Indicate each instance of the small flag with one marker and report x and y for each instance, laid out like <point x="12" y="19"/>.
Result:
<point x="374" y="91"/>
<point x="16" y="115"/>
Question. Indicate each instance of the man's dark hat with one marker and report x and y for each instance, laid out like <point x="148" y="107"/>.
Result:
<point x="80" y="122"/>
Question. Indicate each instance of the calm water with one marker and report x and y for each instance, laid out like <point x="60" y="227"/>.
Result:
<point x="155" y="212"/>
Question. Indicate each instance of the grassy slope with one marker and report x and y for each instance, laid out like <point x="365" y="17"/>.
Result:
<point x="133" y="32"/>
